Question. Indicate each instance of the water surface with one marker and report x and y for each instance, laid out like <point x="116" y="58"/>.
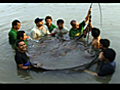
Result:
<point x="27" y="12"/>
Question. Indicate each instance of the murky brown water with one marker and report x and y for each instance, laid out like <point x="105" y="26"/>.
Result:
<point x="26" y="13"/>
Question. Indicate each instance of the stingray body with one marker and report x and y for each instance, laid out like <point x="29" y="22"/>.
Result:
<point x="55" y="54"/>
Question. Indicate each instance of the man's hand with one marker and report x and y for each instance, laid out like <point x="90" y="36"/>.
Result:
<point x="28" y="37"/>
<point x="95" y="74"/>
<point x="90" y="10"/>
<point x="48" y="35"/>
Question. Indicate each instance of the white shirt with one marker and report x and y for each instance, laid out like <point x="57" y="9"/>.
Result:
<point x="37" y="33"/>
<point x="59" y="32"/>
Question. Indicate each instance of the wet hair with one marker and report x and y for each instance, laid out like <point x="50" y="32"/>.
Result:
<point x="105" y="42"/>
<point x="20" y="34"/>
<point x="15" y="23"/>
<point x="110" y="54"/>
<point x="48" y="17"/>
<point x="95" y="32"/>
<point x="60" y="21"/>
<point x="18" y="41"/>
<point x="72" y="22"/>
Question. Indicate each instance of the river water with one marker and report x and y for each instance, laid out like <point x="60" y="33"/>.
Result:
<point x="27" y="12"/>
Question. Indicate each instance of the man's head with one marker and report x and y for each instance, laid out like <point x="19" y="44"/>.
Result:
<point x="16" y="24"/>
<point x="74" y="24"/>
<point x="95" y="32"/>
<point x="109" y="54"/>
<point x="21" y="35"/>
<point x="48" y="20"/>
<point x="60" y="24"/>
<point x="104" y="43"/>
<point x="21" y="46"/>
<point x="39" y="22"/>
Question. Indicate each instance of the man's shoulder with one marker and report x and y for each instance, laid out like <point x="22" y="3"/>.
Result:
<point x="53" y="25"/>
<point x="66" y="29"/>
<point x="107" y="66"/>
<point x="17" y="55"/>
<point x="72" y="29"/>
<point x="12" y="32"/>
<point x="45" y="27"/>
<point x="34" y="29"/>
<point x="82" y="23"/>
<point x="56" y="29"/>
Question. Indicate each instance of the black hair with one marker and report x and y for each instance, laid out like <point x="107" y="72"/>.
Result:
<point x="15" y="23"/>
<point x="60" y="21"/>
<point x="20" y="34"/>
<point x="48" y="17"/>
<point x="72" y="22"/>
<point x="95" y="32"/>
<point x="37" y="20"/>
<point x="18" y="41"/>
<point x="105" y="42"/>
<point x="110" y="54"/>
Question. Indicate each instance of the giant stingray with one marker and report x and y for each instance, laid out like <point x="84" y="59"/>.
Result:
<point x="54" y="54"/>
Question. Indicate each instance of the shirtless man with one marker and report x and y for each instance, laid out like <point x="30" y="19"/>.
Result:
<point x="96" y="38"/>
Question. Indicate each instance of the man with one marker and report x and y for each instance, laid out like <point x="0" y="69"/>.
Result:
<point x="21" y="58"/>
<point x="95" y="32"/>
<point x="108" y="63"/>
<point x="104" y="44"/>
<point x="13" y="32"/>
<point x="39" y="30"/>
<point x="49" y="24"/>
<point x="77" y="29"/>
<point x="21" y="35"/>
<point x="61" y="30"/>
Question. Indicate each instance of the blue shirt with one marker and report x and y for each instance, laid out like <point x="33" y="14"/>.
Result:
<point x="107" y="68"/>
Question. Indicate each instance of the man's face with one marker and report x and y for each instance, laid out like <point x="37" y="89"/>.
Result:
<point x="101" y="46"/>
<point x="24" y="36"/>
<point x="48" y="22"/>
<point x="75" y="25"/>
<point x="17" y="27"/>
<point x="39" y="24"/>
<point x="60" y="25"/>
<point x="22" y="46"/>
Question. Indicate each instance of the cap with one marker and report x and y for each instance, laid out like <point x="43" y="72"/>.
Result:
<point x="38" y="20"/>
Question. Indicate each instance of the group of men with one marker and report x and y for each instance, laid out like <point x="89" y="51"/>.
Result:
<point x="18" y="40"/>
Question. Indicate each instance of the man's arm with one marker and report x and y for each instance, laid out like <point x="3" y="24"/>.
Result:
<point x="87" y="17"/>
<point x="23" y="67"/>
<point x="33" y="35"/>
<point x="71" y="34"/>
<point x="47" y="31"/>
<point x="13" y="38"/>
<point x="18" y="59"/>
<point x="53" y="32"/>
<point x="90" y="72"/>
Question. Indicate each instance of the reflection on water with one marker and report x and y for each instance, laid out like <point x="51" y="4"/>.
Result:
<point x="25" y="74"/>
